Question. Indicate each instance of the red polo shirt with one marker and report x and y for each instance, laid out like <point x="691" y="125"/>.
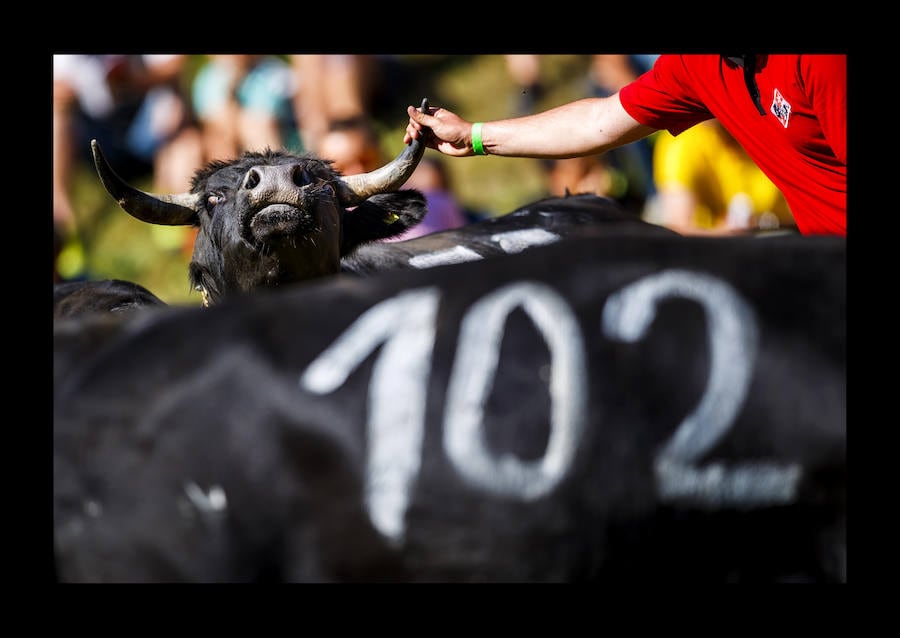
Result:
<point x="800" y="142"/>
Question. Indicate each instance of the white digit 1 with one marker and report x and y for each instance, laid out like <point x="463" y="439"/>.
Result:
<point x="733" y="338"/>
<point x="406" y="326"/>
<point x="472" y="377"/>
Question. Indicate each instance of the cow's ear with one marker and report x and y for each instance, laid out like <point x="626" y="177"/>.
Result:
<point x="380" y="217"/>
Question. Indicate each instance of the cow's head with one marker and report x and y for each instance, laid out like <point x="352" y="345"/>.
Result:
<point x="272" y="218"/>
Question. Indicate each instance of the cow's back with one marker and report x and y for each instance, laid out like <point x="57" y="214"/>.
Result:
<point x="539" y="223"/>
<point x="78" y="298"/>
<point x="619" y="409"/>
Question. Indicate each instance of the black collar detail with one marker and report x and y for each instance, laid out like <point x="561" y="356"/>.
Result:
<point x="748" y="63"/>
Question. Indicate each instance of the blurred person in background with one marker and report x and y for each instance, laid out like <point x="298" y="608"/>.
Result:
<point x="634" y="162"/>
<point x="587" y="174"/>
<point x="352" y="145"/>
<point x="788" y="111"/>
<point x="132" y="104"/>
<point x="245" y="102"/>
<point x="708" y="185"/>
<point x="525" y="71"/>
<point x="331" y="88"/>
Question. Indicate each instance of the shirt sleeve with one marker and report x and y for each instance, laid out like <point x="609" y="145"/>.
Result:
<point x="662" y="98"/>
<point x="825" y="78"/>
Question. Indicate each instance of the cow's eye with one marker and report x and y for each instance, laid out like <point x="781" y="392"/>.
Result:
<point x="212" y="200"/>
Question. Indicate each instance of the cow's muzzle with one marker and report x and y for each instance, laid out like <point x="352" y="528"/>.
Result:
<point x="280" y="220"/>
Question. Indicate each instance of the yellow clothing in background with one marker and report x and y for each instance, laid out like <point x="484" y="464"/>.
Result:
<point x="728" y="187"/>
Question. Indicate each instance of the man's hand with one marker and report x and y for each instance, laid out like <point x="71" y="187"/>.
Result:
<point x="449" y="133"/>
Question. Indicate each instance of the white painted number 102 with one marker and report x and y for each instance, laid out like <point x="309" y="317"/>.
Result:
<point x="406" y="324"/>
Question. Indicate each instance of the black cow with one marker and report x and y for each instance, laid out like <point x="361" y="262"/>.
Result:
<point x="542" y="222"/>
<point x="613" y="408"/>
<point x="273" y="218"/>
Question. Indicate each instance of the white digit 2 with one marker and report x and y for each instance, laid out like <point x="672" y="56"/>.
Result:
<point x="733" y="339"/>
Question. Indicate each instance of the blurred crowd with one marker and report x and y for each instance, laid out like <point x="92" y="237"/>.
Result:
<point x="160" y="117"/>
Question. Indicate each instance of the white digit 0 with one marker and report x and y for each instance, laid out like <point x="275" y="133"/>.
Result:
<point x="472" y="377"/>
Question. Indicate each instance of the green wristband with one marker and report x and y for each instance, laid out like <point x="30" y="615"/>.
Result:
<point x="477" y="146"/>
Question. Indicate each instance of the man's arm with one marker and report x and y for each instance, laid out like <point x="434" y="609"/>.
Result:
<point x="585" y="127"/>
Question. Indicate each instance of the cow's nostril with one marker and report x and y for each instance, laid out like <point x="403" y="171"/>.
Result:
<point x="251" y="180"/>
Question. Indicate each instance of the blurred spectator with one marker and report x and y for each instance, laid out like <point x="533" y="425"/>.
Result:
<point x="707" y="184"/>
<point x="588" y="174"/>
<point x="330" y="88"/>
<point x="245" y="102"/>
<point x="525" y="71"/>
<point x="608" y="74"/>
<point x="352" y="145"/>
<point x="133" y="106"/>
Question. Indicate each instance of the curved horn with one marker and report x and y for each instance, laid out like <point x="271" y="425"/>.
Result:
<point x="354" y="189"/>
<point x="167" y="210"/>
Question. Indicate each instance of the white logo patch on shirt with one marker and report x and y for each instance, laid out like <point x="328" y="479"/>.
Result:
<point x="781" y="108"/>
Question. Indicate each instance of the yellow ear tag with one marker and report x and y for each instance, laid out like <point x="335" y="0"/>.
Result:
<point x="390" y="218"/>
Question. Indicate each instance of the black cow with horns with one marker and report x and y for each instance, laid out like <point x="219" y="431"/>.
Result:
<point x="272" y="218"/>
